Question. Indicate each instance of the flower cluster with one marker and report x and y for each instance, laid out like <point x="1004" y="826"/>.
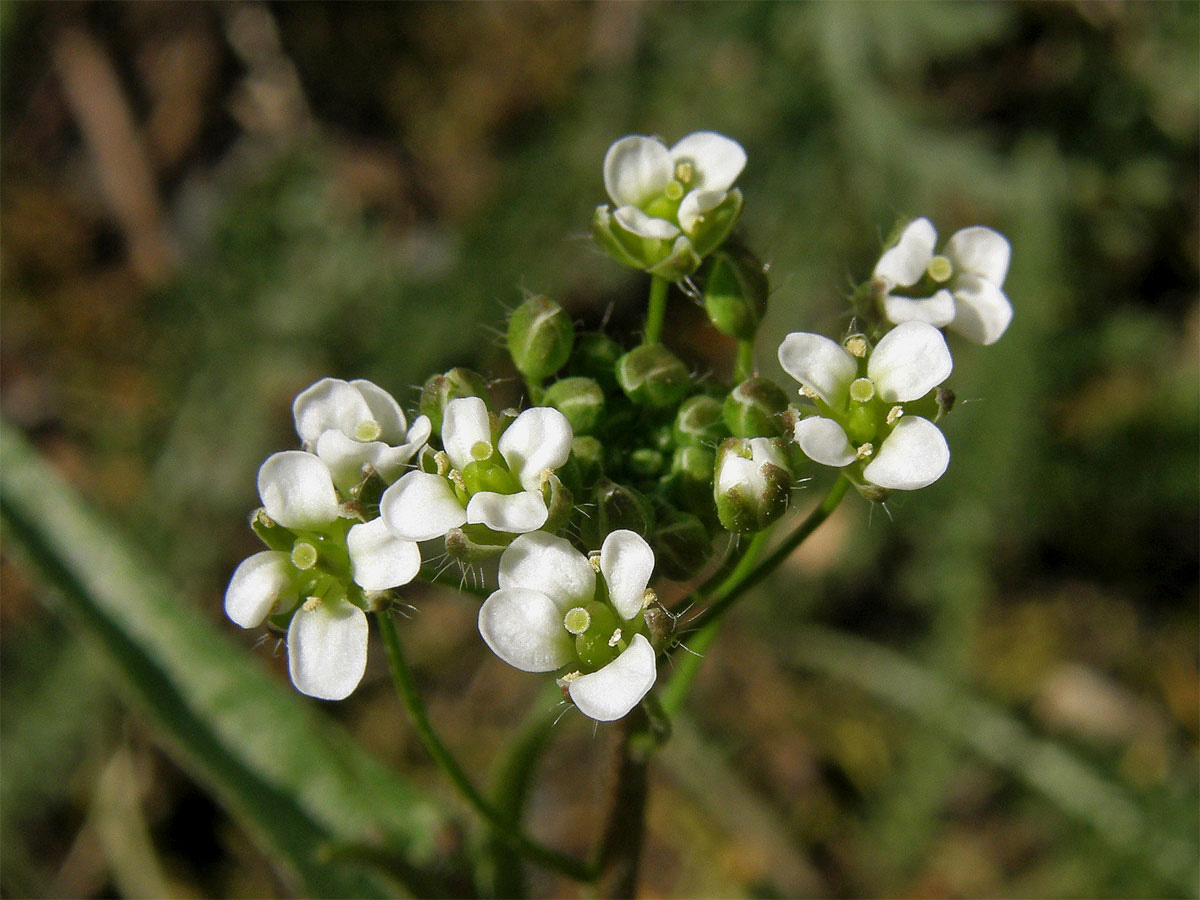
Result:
<point x="620" y="467"/>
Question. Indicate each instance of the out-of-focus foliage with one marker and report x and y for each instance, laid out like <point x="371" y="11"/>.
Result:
<point x="206" y="207"/>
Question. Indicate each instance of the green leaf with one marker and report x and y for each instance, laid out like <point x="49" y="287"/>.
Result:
<point x="292" y="778"/>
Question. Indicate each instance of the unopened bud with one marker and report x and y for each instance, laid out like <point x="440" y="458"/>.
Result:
<point x="579" y="399"/>
<point x="682" y="546"/>
<point x="753" y="408"/>
<point x="691" y="479"/>
<point x="735" y="293"/>
<point x="752" y="483"/>
<point x="560" y="502"/>
<point x="653" y="376"/>
<point x="620" y="507"/>
<point x="595" y="356"/>
<point x="472" y="544"/>
<point x="441" y="389"/>
<point x="699" y="422"/>
<point x="540" y="336"/>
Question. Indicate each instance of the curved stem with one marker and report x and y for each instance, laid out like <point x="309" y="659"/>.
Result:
<point x="744" y="367"/>
<point x="745" y="577"/>
<point x="656" y="311"/>
<point x="507" y="830"/>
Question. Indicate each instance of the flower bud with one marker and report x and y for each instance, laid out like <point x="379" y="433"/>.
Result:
<point x="710" y="233"/>
<point x="586" y="462"/>
<point x="472" y="544"/>
<point x="560" y="503"/>
<point x="540" y="336"/>
<point x="682" y="546"/>
<point x="699" y="422"/>
<point x="595" y="356"/>
<point x="579" y="399"/>
<point x="441" y="389"/>
<point x="651" y="375"/>
<point x="646" y="462"/>
<point x="620" y="507"/>
<point x="735" y="293"/>
<point x="753" y="408"/>
<point x="691" y="479"/>
<point x="752" y="483"/>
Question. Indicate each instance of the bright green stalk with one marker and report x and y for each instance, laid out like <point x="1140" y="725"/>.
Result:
<point x="656" y="311"/>
<point x="505" y="829"/>
<point x="744" y="367"/>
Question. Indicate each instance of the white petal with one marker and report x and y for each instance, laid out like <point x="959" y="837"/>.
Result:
<point x="261" y="586"/>
<point x="627" y="562"/>
<point x="551" y="566"/>
<point x="636" y="169"/>
<point x="910" y="361"/>
<point x="330" y="403"/>
<point x="905" y="263"/>
<point x="634" y="220"/>
<point x="613" y="691"/>
<point x="937" y="310"/>
<point x="345" y="457"/>
<point x="983" y="312"/>
<point x="696" y="204"/>
<point x="515" y="513"/>
<point x="914" y="455"/>
<point x="538" y="440"/>
<point x="297" y="490"/>
<point x="421" y="506"/>
<point x="384" y="410"/>
<point x="824" y="441"/>
<point x="819" y="364"/>
<point x="716" y="159"/>
<point x="980" y="251"/>
<point x="525" y="629"/>
<point x="465" y="425"/>
<point x="378" y="559"/>
<point x="327" y="649"/>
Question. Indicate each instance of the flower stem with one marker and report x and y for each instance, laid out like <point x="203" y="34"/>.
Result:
<point x="656" y="311"/>
<point x="620" y="846"/>
<point x="744" y="367"/>
<point x="505" y="829"/>
<point x="745" y="577"/>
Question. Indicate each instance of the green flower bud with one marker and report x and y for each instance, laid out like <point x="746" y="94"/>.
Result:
<point x="716" y="225"/>
<point x="560" y="503"/>
<point x="646" y="462"/>
<point x="596" y="356"/>
<point x="691" y="479"/>
<point x="620" y="507"/>
<point x="540" y="336"/>
<point x="587" y="458"/>
<point x="735" y="293"/>
<point x="753" y="408"/>
<point x="475" y="543"/>
<point x="699" y="422"/>
<point x="682" y="546"/>
<point x="441" y="389"/>
<point x="579" y="399"/>
<point x="752" y="483"/>
<point x="651" y="375"/>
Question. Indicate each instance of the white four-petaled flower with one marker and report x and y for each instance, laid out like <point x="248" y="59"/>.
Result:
<point x="349" y="424"/>
<point x="423" y="505"/>
<point x="966" y="280"/>
<point x="862" y="419"/>
<point x="548" y="599"/>
<point x="327" y="635"/>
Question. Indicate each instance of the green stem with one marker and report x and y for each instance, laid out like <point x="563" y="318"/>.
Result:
<point x="745" y="360"/>
<point x="656" y="311"/>
<point x="620" y="846"/>
<point x="507" y="830"/>
<point x="745" y="577"/>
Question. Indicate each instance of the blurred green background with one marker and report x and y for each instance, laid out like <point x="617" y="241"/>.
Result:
<point x="992" y="691"/>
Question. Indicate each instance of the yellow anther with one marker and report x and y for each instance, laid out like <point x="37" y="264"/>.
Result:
<point x="894" y="414"/>
<point x="865" y="451"/>
<point x="442" y="461"/>
<point x="311" y="603"/>
<point x="856" y="345"/>
<point x="615" y="639"/>
<point x="685" y="171"/>
<point x="594" y="561"/>
<point x="649" y="598"/>
<point x="808" y="392"/>
<point x="456" y="476"/>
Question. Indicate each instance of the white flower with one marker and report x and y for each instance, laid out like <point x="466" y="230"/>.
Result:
<point x="681" y="200"/>
<point x="546" y="610"/>
<point x="327" y="636"/>
<point x="503" y="495"/>
<point x="968" y="279"/>
<point x="862" y="419"/>
<point x="352" y="423"/>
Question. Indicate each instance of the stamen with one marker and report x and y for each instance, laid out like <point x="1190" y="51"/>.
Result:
<point x="808" y="392"/>
<point x="856" y="345"/>
<point x="311" y="603"/>
<point x="649" y="598"/>
<point x="894" y="414"/>
<point x="615" y="639"/>
<point x="685" y="171"/>
<point x="865" y="451"/>
<point x="594" y="561"/>
<point x="442" y="461"/>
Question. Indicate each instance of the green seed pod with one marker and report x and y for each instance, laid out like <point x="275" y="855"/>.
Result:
<point x="735" y="292"/>
<point x="441" y="389"/>
<point x="753" y="408"/>
<point x="653" y="376"/>
<point x="682" y="546"/>
<point x="540" y="336"/>
<point x="699" y="422"/>
<point x="752" y="483"/>
<point x="579" y="399"/>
